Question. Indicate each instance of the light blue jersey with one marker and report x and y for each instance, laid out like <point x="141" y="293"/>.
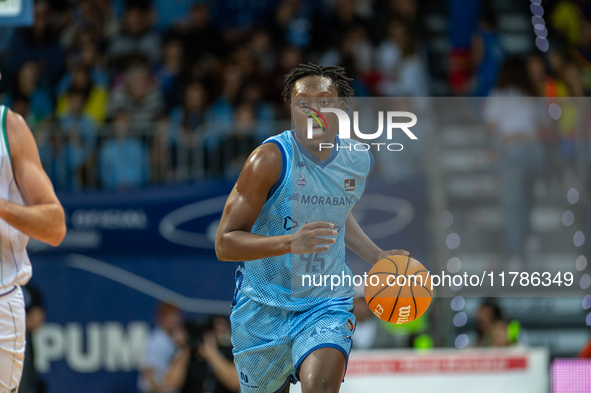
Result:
<point x="308" y="190"/>
<point x="276" y="321"/>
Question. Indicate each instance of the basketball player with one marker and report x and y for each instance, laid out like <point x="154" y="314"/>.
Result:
<point x="28" y="208"/>
<point x="289" y="214"/>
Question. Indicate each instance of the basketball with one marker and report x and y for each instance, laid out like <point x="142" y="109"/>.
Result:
<point x="398" y="289"/>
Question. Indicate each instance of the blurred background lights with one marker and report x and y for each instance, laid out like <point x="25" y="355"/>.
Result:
<point x="462" y="340"/>
<point x="452" y="241"/>
<point x="579" y="239"/>
<point x="460" y="319"/>
<point x="568" y="218"/>
<point x="555" y="111"/>
<point x="458" y="303"/>
<point x="581" y="263"/>
<point x="454" y="265"/>
<point x="542" y="44"/>
<point x="446" y="219"/>
<point x="585" y="281"/>
<point x="572" y="196"/>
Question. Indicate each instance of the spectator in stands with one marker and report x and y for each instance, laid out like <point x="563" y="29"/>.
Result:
<point x="407" y="77"/>
<point x="544" y="84"/>
<point x="490" y="325"/>
<point x="26" y="85"/>
<point x="299" y="22"/>
<point x="168" y="72"/>
<point x="38" y="44"/>
<point x="345" y="17"/>
<point x="222" y="110"/>
<point x="237" y="147"/>
<point x="139" y="98"/>
<point x="21" y="105"/>
<point x="487" y="54"/>
<point x="582" y="55"/>
<point x="355" y="54"/>
<point x="136" y="38"/>
<point x="35" y="318"/>
<point x="289" y="58"/>
<point x="160" y="349"/>
<point x="79" y="129"/>
<point x="405" y="11"/>
<point x="191" y="115"/>
<point x="186" y="132"/>
<point x="573" y="126"/>
<point x="199" y="37"/>
<point x="566" y="19"/>
<point x="236" y="19"/>
<point x="260" y="46"/>
<point x="370" y="332"/>
<point x="171" y="15"/>
<point x="253" y="95"/>
<point x="513" y="119"/>
<point x="95" y="95"/>
<point x="85" y="53"/>
<point x="389" y="51"/>
<point x="204" y="347"/>
<point x="124" y="161"/>
<point x="557" y="61"/>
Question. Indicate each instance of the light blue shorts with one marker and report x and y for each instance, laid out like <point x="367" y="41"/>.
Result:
<point x="270" y="342"/>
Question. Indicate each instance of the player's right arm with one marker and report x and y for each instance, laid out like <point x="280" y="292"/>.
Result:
<point x="235" y="243"/>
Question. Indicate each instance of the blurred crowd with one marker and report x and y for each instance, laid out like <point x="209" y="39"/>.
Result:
<point x="124" y="93"/>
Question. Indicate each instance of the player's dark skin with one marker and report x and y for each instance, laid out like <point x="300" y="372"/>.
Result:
<point x="322" y="371"/>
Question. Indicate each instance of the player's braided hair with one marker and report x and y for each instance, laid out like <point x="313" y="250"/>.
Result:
<point x="335" y="73"/>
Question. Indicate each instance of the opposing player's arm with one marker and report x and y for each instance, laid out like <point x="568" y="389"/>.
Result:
<point x="357" y="241"/>
<point x="234" y="241"/>
<point x="42" y="217"/>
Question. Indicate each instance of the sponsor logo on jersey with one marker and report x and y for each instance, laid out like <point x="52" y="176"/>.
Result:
<point x="326" y="200"/>
<point x="350" y="325"/>
<point x="244" y="377"/>
<point x="300" y="164"/>
<point x="302" y="181"/>
<point x="289" y="223"/>
<point x="349" y="184"/>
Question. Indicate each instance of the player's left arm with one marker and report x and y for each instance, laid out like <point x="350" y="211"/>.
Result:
<point x="42" y="217"/>
<point x="357" y="241"/>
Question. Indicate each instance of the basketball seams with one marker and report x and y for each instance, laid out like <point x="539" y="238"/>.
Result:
<point x="395" y="265"/>
<point x="414" y="301"/>
<point x="392" y="300"/>
<point x="398" y="275"/>
<point x="424" y="287"/>
<point x="399" y="290"/>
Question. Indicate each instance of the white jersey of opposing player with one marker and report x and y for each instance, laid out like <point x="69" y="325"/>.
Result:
<point x="15" y="266"/>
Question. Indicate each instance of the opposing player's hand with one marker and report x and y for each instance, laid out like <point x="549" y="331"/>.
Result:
<point x="386" y="254"/>
<point x="307" y="240"/>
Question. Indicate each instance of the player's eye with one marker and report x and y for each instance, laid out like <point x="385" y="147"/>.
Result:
<point x="324" y="102"/>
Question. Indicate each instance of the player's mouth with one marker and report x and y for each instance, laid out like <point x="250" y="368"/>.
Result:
<point x="317" y="131"/>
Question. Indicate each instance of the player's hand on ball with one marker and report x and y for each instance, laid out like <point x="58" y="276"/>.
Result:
<point x="307" y="240"/>
<point x="386" y="254"/>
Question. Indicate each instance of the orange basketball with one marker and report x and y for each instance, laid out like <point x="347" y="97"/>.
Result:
<point x="398" y="289"/>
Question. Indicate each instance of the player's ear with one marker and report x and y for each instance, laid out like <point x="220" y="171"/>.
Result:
<point x="342" y="105"/>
